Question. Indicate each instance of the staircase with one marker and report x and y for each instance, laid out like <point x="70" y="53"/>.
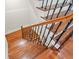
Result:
<point x="40" y="41"/>
<point x="50" y="9"/>
<point x="46" y="39"/>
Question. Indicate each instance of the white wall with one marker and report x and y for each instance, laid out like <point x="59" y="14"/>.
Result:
<point x="18" y="12"/>
<point x="22" y="12"/>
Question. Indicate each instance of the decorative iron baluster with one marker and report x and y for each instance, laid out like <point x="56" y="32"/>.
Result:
<point x="66" y="1"/>
<point x="38" y="30"/>
<point x="61" y="22"/>
<point x="66" y="39"/>
<point x="22" y="31"/>
<point x="54" y="9"/>
<point x="35" y="28"/>
<point x="54" y="33"/>
<point x="68" y="8"/>
<point x="49" y="8"/>
<point x="63" y="32"/>
<point x="41" y="30"/>
<point x="48" y="33"/>
<point x="42" y="4"/>
<point x="35" y="32"/>
<point x="61" y="8"/>
<point x="46" y="4"/>
<point x="44" y="32"/>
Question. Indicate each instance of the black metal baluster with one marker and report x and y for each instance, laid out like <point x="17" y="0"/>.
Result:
<point x="46" y="4"/>
<point x="54" y="33"/>
<point x="41" y="32"/>
<point x="35" y="32"/>
<point x="68" y="8"/>
<point x="22" y="31"/>
<point x="66" y="1"/>
<point x="42" y="4"/>
<point x="35" y="29"/>
<point x="38" y="30"/>
<point x="54" y="9"/>
<point x="49" y="8"/>
<point x="38" y="38"/>
<point x="48" y="33"/>
<point x="29" y="33"/>
<point x="63" y="32"/>
<point x="61" y="8"/>
<point x="72" y="1"/>
<point x="66" y="39"/>
<point x="44" y="32"/>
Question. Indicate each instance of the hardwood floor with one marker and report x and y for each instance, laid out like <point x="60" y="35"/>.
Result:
<point x="23" y="49"/>
<point x="48" y="54"/>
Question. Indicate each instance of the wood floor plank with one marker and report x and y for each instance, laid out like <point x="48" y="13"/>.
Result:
<point x="22" y="47"/>
<point x="48" y="54"/>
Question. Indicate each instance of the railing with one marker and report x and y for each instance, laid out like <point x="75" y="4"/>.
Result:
<point x="57" y="5"/>
<point x="42" y="32"/>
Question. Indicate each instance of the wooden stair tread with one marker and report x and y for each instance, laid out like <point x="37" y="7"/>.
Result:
<point x="69" y="30"/>
<point x="64" y="36"/>
<point x="24" y="49"/>
<point x="48" y="54"/>
<point x="67" y="51"/>
<point x="54" y="16"/>
<point x="53" y="6"/>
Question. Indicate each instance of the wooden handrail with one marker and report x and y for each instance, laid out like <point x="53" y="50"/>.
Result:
<point x="64" y="18"/>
